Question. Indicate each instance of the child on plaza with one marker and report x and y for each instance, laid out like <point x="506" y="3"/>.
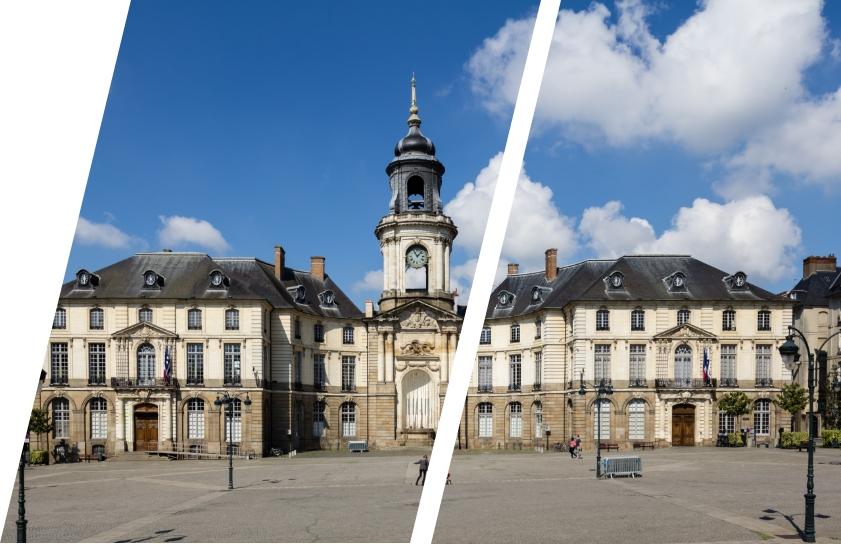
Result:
<point x="571" y="446"/>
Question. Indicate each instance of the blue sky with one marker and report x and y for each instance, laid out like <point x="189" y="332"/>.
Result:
<point x="230" y="128"/>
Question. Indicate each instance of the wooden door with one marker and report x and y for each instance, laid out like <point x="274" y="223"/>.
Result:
<point x="683" y="425"/>
<point x="146" y="428"/>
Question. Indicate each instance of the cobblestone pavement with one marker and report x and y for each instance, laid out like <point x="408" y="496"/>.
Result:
<point x="686" y="495"/>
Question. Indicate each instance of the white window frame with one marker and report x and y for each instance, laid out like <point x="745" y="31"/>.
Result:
<point x="637" y="363"/>
<point x="195" y="419"/>
<point x="234" y="422"/>
<point x="763" y="320"/>
<point x="348" y="373"/>
<point x="515" y="333"/>
<point x="485" y="337"/>
<point x="59" y="363"/>
<point x="60" y="408"/>
<point x="605" y="413"/>
<point x="99" y="418"/>
<point x="515" y="371"/>
<point x="231" y="319"/>
<point x="683" y="316"/>
<point x="601" y="362"/>
<point x="319" y="371"/>
<point x="96" y="363"/>
<point x="232" y="364"/>
<point x="195" y="363"/>
<point x="145" y="315"/>
<point x="637" y="319"/>
<point x="347" y="335"/>
<point x="485" y="425"/>
<point x="602" y="319"/>
<point x="194" y="319"/>
<point x="515" y="420"/>
<point x="60" y="319"/>
<point x="636" y="420"/>
<point x="728" y="319"/>
<point x="98" y="323"/>
<point x="538" y="368"/>
<point x="348" y="416"/>
<point x="319" y="419"/>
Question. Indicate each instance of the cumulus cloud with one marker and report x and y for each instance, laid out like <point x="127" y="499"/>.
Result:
<point x="103" y="234"/>
<point x="749" y="234"/>
<point x="372" y="281"/>
<point x="178" y="231"/>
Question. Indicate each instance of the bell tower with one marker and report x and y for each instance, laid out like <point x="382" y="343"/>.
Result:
<point x="415" y="237"/>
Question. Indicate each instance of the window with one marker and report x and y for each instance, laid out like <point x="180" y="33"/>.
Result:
<point x="298" y="370"/>
<point x="728" y="320"/>
<point x="96" y="364"/>
<point x="763" y="366"/>
<point x="515" y="420"/>
<point x="603" y="320"/>
<point x="485" y="373"/>
<point x="538" y="369"/>
<point x="636" y="420"/>
<point x="195" y="364"/>
<point x="515" y="333"/>
<point x="61" y="418"/>
<point x="58" y="364"/>
<point x="637" y="320"/>
<point x="726" y="423"/>
<point x="194" y="319"/>
<point x="319" y="373"/>
<point x="485" y="337"/>
<point x="231" y="319"/>
<point x="144" y="315"/>
<point x="515" y="372"/>
<point x="538" y="329"/>
<point x="762" y="417"/>
<point x="318" y="419"/>
<point x="348" y="419"/>
<point x="683" y="316"/>
<point x="195" y="419"/>
<point x="683" y="365"/>
<point x="602" y="432"/>
<point x="348" y="373"/>
<point x="414" y="193"/>
<point x="60" y="319"/>
<point x="602" y="362"/>
<point x="233" y="425"/>
<point x="146" y="365"/>
<point x="347" y="335"/>
<point x="318" y="332"/>
<point x="96" y="320"/>
<point x="297" y="327"/>
<point x="728" y="365"/>
<point x="538" y="419"/>
<point x="637" y="367"/>
<point x="486" y="414"/>
<point x="232" y="364"/>
<point x="763" y="320"/>
<point x="99" y="418"/>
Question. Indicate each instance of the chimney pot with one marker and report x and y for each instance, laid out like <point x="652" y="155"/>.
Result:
<point x="551" y="264"/>
<point x="317" y="267"/>
<point x="369" y="308"/>
<point x="279" y="261"/>
<point x="513" y="269"/>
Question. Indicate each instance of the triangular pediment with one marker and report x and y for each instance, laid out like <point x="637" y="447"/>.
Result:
<point x="144" y="330"/>
<point x="418" y="315"/>
<point x="686" y="330"/>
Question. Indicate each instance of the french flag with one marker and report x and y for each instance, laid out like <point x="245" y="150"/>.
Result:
<point x="167" y="366"/>
<point x="706" y="367"/>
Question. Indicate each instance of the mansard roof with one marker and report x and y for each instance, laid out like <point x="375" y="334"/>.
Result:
<point x="817" y="289"/>
<point x="187" y="277"/>
<point x="645" y="278"/>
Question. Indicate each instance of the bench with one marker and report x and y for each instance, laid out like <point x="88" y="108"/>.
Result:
<point x="644" y="445"/>
<point x="621" y="466"/>
<point x="609" y="446"/>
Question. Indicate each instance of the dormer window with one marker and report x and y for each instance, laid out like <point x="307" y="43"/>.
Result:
<point x="615" y="280"/>
<point x="218" y="280"/>
<point x="299" y="293"/>
<point x="740" y="280"/>
<point x="505" y="298"/>
<point x="538" y="294"/>
<point x="327" y="298"/>
<point x="152" y="280"/>
<point x="86" y="280"/>
<point x="676" y="282"/>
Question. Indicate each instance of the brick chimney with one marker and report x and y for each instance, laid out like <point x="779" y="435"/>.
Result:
<point x="551" y="264"/>
<point x="279" y="261"/>
<point x="513" y="269"/>
<point x="369" y="308"/>
<point x="317" y="267"/>
<point x="815" y="263"/>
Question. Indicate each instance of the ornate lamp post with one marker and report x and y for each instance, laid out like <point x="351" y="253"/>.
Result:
<point x="602" y="389"/>
<point x="228" y="402"/>
<point x="791" y="359"/>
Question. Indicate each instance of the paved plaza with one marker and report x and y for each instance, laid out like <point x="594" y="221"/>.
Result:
<point x="686" y="495"/>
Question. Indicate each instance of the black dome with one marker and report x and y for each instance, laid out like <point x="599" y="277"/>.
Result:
<point x="414" y="142"/>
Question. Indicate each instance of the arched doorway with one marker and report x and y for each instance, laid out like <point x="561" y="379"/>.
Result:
<point x="145" y="427"/>
<point x="683" y="425"/>
<point x="420" y="401"/>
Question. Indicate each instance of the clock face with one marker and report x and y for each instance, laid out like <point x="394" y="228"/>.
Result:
<point x="150" y="279"/>
<point x="417" y="257"/>
<point x="616" y="280"/>
<point x="216" y="279"/>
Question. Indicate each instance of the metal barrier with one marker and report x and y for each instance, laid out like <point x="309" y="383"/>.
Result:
<point x="358" y="446"/>
<point x="621" y="466"/>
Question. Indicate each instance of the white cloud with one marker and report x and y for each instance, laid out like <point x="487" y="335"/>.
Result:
<point x="749" y="234"/>
<point x="103" y="234"/>
<point x="178" y="231"/>
<point x="373" y="281"/>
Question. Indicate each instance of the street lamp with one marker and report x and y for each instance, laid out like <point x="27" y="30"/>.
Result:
<point x="790" y="354"/>
<point x="602" y="389"/>
<point x="228" y="401"/>
<point x="21" y="522"/>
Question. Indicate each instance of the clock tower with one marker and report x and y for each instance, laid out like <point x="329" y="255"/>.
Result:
<point x="415" y="237"/>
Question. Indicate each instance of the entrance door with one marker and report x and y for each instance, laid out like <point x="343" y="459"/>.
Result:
<point x="145" y="427"/>
<point x="420" y="401"/>
<point x="683" y="425"/>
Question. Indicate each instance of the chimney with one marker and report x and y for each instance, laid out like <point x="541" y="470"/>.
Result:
<point x="815" y="263"/>
<point x="279" y="261"/>
<point x="317" y="267"/>
<point x="513" y="269"/>
<point x="369" y="308"/>
<point x="551" y="264"/>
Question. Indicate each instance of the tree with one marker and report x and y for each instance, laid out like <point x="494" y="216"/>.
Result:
<point x="39" y="423"/>
<point x="735" y="403"/>
<point x="792" y="398"/>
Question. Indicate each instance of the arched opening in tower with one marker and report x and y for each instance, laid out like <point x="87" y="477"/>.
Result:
<point x="416" y="278"/>
<point x="414" y="193"/>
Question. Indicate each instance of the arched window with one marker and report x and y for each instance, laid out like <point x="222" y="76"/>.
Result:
<point x="61" y="418"/>
<point x="194" y="319"/>
<point x="319" y="421"/>
<point x="683" y="316"/>
<point x="348" y="419"/>
<point x="233" y="425"/>
<point x="144" y="315"/>
<point x="60" y="319"/>
<point x="414" y="193"/>
<point x="99" y="418"/>
<point x="763" y="320"/>
<point x="603" y="431"/>
<point x="515" y="333"/>
<point x="537" y="408"/>
<point x="602" y="320"/>
<point x="762" y="417"/>
<point x="728" y="320"/>
<point x="637" y="319"/>
<point x="232" y="320"/>
<point x="96" y="320"/>
<point x="486" y="414"/>
<point x="683" y="365"/>
<point x="636" y="420"/>
<point x="515" y="420"/>
<point x="195" y="419"/>
<point x="146" y="365"/>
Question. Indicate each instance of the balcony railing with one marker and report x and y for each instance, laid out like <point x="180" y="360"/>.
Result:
<point x="143" y="383"/>
<point x="537" y="387"/>
<point x="684" y="383"/>
<point x="637" y="382"/>
<point x="319" y="386"/>
<point x="764" y="382"/>
<point x="58" y="379"/>
<point x="96" y="379"/>
<point x="515" y="387"/>
<point x="728" y="382"/>
<point x="485" y="388"/>
<point x="603" y="382"/>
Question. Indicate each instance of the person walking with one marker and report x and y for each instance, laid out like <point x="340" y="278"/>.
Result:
<point x="571" y="446"/>
<point x="578" y="446"/>
<point x="423" y="463"/>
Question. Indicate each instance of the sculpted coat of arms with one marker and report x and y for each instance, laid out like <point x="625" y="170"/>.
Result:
<point x="416" y="347"/>
<point x="418" y="320"/>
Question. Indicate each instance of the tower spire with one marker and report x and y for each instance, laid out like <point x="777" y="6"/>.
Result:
<point x="414" y="119"/>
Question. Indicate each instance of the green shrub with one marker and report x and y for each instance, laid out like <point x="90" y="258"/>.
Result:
<point x="831" y="438"/>
<point x="735" y="439"/>
<point x="794" y="439"/>
<point x="37" y="457"/>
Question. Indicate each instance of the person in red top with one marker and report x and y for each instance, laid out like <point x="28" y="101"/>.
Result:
<point x="571" y="445"/>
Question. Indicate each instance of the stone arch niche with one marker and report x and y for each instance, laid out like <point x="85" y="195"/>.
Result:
<point x="420" y="401"/>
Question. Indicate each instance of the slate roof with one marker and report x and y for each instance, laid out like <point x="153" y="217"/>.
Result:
<point x="816" y="290"/>
<point x="187" y="277"/>
<point x="644" y="279"/>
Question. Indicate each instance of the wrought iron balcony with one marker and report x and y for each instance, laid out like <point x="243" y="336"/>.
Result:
<point x="728" y="382"/>
<point x="601" y="382"/>
<point x="515" y="387"/>
<point x="684" y="383"/>
<point x="144" y="383"/>
<point x="537" y="387"/>
<point x="637" y="382"/>
<point x="485" y="389"/>
<point x="58" y="379"/>
<point x="764" y="382"/>
<point x="96" y="379"/>
<point x="319" y="386"/>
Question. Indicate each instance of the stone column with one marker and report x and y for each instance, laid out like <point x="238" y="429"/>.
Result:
<point x="130" y="426"/>
<point x="389" y="357"/>
<point x="386" y="270"/>
<point x="446" y="264"/>
<point x="380" y="357"/>
<point x="120" y="430"/>
<point x="445" y="363"/>
<point x="163" y="408"/>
